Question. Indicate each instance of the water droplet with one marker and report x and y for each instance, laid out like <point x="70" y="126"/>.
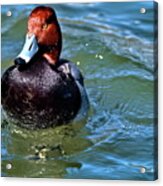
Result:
<point x="78" y="63"/>
<point x="43" y="154"/>
<point x="101" y="57"/>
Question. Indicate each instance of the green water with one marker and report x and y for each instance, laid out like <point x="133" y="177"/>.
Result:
<point x="112" y="43"/>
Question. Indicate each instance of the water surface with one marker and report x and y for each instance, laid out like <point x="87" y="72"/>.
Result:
<point x="112" y="43"/>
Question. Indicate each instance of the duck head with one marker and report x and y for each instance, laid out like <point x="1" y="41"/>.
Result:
<point x="43" y="37"/>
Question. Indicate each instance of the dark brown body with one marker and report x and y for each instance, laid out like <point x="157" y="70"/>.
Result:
<point x="39" y="96"/>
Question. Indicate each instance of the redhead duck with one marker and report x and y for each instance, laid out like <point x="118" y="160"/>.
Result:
<point x="41" y="90"/>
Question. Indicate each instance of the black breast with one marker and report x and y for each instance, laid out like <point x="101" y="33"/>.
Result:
<point x="38" y="96"/>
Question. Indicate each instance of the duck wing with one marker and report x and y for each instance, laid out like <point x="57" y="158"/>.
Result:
<point x="71" y="70"/>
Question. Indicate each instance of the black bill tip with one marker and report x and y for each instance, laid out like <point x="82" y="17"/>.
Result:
<point x="19" y="61"/>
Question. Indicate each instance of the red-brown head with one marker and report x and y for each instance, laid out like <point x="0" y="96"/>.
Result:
<point x="43" y="36"/>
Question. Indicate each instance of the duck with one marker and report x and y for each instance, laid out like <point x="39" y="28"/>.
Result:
<point x="40" y="90"/>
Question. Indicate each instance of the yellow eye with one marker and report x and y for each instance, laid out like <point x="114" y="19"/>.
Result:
<point x="45" y="26"/>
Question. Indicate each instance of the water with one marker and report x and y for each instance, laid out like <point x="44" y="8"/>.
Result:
<point x="113" y="45"/>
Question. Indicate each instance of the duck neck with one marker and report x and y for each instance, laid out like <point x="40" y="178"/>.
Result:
<point x="52" y="52"/>
<point x="52" y="56"/>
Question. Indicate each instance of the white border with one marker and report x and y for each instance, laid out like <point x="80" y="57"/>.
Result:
<point x="57" y="182"/>
<point x="61" y="1"/>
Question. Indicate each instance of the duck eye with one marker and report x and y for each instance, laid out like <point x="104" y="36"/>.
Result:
<point x="45" y="26"/>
